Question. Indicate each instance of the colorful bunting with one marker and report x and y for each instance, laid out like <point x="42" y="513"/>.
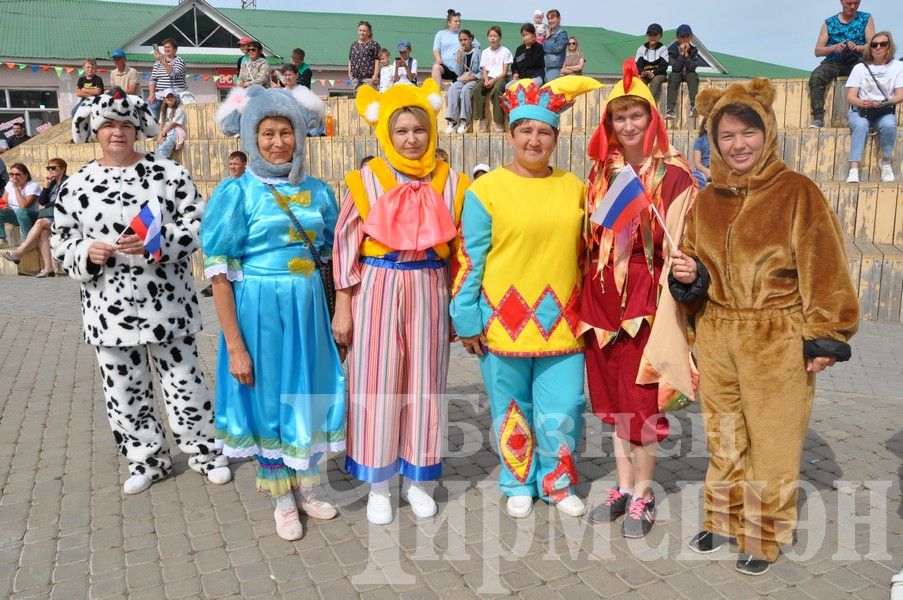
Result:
<point x="10" y="65"/>
<point x="206" y="77"/>
<point x="69" y="70"/>
<point x="81" y="72"/>
<point x="21" y="66"/>
<point x="59" y="71"/>
<point x="34" y="68"/>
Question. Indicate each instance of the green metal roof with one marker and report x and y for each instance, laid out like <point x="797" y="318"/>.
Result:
<point x="80" y="28"/>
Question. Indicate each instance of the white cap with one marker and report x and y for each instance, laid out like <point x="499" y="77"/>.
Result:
<point x="538" y="13"/>
<point x="480" y="167"/>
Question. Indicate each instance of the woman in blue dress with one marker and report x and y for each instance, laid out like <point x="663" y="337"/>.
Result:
<point x="279" y="383"/>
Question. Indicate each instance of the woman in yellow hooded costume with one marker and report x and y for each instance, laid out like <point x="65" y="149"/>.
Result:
<point x="390" y="263"/>
<point x="763" y="263"/>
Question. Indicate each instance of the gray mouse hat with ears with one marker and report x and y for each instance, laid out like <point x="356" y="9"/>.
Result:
<point x="244" y="109"/>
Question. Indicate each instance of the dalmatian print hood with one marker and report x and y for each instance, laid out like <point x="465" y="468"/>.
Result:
<point x="114" y="105"/>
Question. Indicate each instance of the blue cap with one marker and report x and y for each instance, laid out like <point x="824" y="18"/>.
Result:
<point x="403" y="45"/>
<point x="684" y="30"/>
<point x="117" y="53"/>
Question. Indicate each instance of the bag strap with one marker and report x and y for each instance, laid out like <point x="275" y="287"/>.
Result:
<point x="875" y="79"/>
<point x="283" y="201"/>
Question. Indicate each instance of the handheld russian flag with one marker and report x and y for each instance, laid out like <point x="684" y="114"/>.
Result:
<point x="146" y="225"/>
<point x="625" y="199"/>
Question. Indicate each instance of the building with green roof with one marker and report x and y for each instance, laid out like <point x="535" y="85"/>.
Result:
<point x="45" y="42"/>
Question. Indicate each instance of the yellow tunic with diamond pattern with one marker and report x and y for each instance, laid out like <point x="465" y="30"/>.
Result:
<point x="515" y="281"/>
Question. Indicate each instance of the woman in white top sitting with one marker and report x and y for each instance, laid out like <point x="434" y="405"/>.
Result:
<point x="874" y="88"/>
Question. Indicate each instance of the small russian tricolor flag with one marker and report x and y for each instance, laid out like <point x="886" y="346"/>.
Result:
<point x="624" y="200"/>
<point x="146" y="225"/>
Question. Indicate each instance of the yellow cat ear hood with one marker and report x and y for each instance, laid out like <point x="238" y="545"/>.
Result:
<point x="377" y="108"/>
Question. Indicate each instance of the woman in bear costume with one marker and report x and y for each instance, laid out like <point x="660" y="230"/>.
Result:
<point x="763" y="266"/>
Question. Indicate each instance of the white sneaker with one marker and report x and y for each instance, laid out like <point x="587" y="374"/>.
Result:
<point x="422" y="504"/>
<point x="379" y="509"/>
<point x="219" y="475"/>
<point x="519" y="506"/>
<point x="887" y="173"/>
<point x="450" y="128"/>
<point x="288" y="525"/>
<point x="462" y="127"/>
<point x="136" y="484"/>
<point x="853" y="177"/>
<point x="572" y="506"/>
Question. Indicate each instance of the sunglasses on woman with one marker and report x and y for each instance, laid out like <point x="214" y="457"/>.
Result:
<point x="879" y="44"/>
<point x="51" y="167"/>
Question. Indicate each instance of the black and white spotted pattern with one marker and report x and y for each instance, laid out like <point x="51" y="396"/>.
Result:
<point x="131" y="300"/>
<point x="128" y="390"/>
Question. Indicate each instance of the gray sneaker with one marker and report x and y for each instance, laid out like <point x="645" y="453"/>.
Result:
<point x="817" y="123"/>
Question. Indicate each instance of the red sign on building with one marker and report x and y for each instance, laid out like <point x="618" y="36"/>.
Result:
<point x="225" y="78"/>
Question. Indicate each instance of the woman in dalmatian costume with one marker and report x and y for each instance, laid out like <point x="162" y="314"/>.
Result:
<point x="139" y="312"/>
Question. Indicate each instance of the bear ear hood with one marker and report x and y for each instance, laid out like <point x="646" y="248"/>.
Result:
<point x="759" y="95"/>
<point x="377" y="109"/>
<point x="244" y="109"/>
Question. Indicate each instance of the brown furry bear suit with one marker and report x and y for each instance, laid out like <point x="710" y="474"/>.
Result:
<point x="773" y="290"/>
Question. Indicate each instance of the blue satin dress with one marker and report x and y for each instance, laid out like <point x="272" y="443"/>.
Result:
<point x="295" y="410"/>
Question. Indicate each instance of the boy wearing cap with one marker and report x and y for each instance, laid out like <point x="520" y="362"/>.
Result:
<point x="405" y="64"/>
<point x="684" y="59"/>
<point x="652" y="60"/>
<point x="243" y="46"/>
<point x="123" y="76"/>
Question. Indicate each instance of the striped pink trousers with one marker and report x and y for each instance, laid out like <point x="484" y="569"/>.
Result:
<point x="397" y="371"/>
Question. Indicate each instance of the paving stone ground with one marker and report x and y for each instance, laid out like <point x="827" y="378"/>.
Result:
<point x="67" y="531"/>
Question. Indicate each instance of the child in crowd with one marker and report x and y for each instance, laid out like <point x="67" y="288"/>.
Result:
<point x="386" y="71"/>
<point x="238" y="161"/>
<point x="172" y="125"/>
<point x="541" y="30"/>
<point x="405" y="64"/>
<point x="684" y="59"/>
<point x="652" y="60"/>
<point x="702" y="156"/>
<point x="304" y="72"/>
<point x="441" y="154"/>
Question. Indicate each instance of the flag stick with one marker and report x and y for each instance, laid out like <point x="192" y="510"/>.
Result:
<point x="664" y="227"/>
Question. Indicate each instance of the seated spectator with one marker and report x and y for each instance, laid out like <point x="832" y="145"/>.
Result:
<point x="363" y="57"/>
<point x="386" y="71"/>
<point x="4" y="175"/>
<point x="494" y="64"/>
<point x="88" y="85"/>
<point x="841" y="41"/>
<point x="874" y="89"/>
<point x="541" y="30"/>
<point x="17" y="202"/>
<point x="441" y="154"/>
<point x="243" y="46"/>
<point x="574" y="61"/>
<point x="405" y="64"/>
<point x="167" y="73"/>
<point x="288" y="77"/>
<point x="555" y="46"/>
<point x="445" y="49"/>
<point x="652" y="60"/>
<point x="480" y="170"/>
<point x="702" y="156"/>
<point x="173" y="123"/>
<point x="238" y="162"/>
<point x="305" y="74"/>
<point x="684" y="59"/>
<point x="255" y="70"/>
<point x="124" y="76"/>
<point x="39" y="235"/>
<point x="19" y="136"/>
<point x="460" y="94"/>
<point x="529" y="58"/>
